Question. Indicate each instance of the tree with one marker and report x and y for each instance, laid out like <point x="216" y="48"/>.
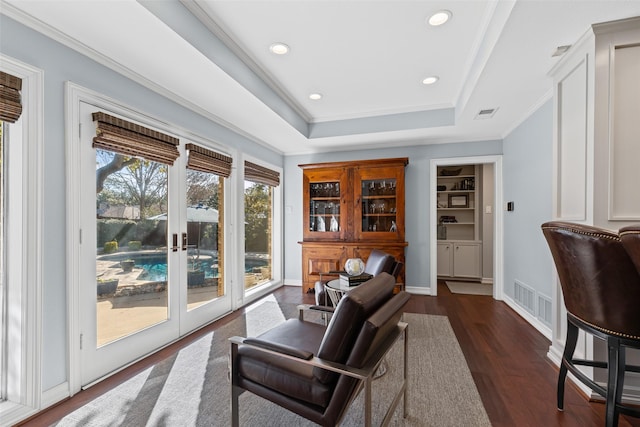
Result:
<point x="118" y="161"/>
<point x="202" y="188"/>
<point x="257" y="213"/>
<point x="138" y="182"/>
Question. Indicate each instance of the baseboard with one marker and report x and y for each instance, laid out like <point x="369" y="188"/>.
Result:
<point x="487" y="281"/>
<point x="55" y="394"/>
<point x="418" y="290"/>
<point x="293" y="282"/>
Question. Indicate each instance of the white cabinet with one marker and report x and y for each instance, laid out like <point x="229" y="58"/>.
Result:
<point x="461" y="259"/>
<point x="445" y="259"/>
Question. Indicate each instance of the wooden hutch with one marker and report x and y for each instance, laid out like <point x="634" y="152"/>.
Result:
<point x="351" y="208"/>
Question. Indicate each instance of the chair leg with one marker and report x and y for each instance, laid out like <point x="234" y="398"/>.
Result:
<point x="567" y="356"/>
<point x="367" y="402"/>
<point x="235" y="390"/>
<point x="615" y="381"/>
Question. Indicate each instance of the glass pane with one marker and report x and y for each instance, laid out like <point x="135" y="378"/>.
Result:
<point x="258" y="203"/>
<point x="324" y="209"/>
<point x="131" y="255"/>
<point x="205" y="199"/>
<point x="379" y="205"/>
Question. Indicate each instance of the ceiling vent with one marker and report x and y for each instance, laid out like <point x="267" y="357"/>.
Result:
<point x="560" y="50"/>
<point x="486" y="113"/>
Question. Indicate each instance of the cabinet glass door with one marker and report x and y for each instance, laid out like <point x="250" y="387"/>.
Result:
<point x="378" y="215"/>
<point x="324" y="216"/>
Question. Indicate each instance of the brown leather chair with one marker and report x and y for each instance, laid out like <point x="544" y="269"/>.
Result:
<point x="601" y="291"/>
<point x="316" y="371"/>
<point x="378" y="262"/>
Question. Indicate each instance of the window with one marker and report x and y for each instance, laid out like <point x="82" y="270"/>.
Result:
<point x="259" y="191"/>
<point x="20" y="230"/>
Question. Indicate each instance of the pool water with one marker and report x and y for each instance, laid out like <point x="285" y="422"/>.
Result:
<point x="155" y="269"/>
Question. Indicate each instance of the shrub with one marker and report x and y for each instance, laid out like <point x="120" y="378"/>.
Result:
<point x="110" y="247"/>
<point x="135" y="245"/>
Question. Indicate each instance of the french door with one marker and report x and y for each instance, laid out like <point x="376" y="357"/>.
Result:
<point x="151" y="253"/>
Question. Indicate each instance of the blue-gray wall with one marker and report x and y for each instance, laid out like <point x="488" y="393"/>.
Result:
<point x="527" y="180"/>
<point x="417" y="184"/>
<point x="527" y="177"/>
<point x="61" y="64"/>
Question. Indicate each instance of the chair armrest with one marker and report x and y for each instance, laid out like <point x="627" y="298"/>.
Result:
<point x="279" y="348"/>
<point x="322" y="308"/>
<point x="313" y="361"/>
<point x="319" y="308"/>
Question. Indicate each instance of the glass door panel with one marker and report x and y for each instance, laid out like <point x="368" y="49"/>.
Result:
<point x="205" y="238"/>
<point x="131" y="253"/>
<point x="379" y="205"/>
<point x="258" y="255"/>
<point x="324" y="207"/>
<point x="324" y="215"/>
<point x="381" y="208"/>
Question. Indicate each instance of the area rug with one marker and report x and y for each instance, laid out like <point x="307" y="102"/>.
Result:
<point x="471" y="288"/>
<point x="192" y="388"/>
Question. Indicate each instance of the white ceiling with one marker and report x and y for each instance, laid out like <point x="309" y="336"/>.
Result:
<point x="367" y="58"/>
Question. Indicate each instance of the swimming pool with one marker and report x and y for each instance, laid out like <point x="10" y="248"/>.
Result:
<point x="154" y="265"/>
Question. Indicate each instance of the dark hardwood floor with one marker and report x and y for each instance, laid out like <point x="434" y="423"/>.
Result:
<point x="506" y="356"/>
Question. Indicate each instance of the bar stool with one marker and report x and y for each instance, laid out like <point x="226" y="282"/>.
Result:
<point x="601" y="291"/>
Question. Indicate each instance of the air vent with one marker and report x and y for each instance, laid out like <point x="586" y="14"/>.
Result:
<point x="524" y="296"/>
<point x="560" y="50"/>
<point x="486" y="113"/>
<point x="544" y="310"/>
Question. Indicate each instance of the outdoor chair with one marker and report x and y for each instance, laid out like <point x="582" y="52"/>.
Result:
<point x="601" y="290"/>
<point x="316" y="371"/>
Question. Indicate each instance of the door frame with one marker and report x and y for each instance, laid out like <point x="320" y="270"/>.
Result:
<point x="74" y="96"/>
<point x="498" y="218"/>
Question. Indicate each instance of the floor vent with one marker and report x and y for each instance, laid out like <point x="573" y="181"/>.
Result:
<point x="524" y="296"/>
<point x="544" y="310"/>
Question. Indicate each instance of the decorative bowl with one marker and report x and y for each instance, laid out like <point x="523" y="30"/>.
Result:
<point x="354" y="266"/>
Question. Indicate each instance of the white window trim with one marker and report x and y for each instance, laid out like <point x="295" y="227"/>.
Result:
<point x="24" y="267"/>
<point x="277" y="263"/>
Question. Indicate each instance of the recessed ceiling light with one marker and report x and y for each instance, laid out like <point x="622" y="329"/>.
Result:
<point x="439" y="18"/>
<point x="430" y="80"/>
<point x="279" y="48"/>
<point x="315" y="96"/>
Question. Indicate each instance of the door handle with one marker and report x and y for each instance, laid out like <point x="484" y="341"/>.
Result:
<point x="184" y="241"/>
<point x="174" y="248"/>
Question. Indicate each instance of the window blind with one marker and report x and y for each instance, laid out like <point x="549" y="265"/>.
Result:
<point x="205" y="160"/>
<point x="260" y="174"/>
<point x="121" y="136"/>
<point x="10" y="102"/>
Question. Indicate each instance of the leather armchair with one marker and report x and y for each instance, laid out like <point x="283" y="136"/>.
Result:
<point x="601" y="291"/>
<point x="378" y="262"/>
<point x="316" y="371"/>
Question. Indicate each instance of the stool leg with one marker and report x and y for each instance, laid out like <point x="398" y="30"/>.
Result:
<point x="615" y="382"/>
<point x="567" y="356"/>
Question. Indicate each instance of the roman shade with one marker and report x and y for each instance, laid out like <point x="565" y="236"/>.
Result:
<point x="10" y="103"/>
<point x="205" y="160"/>
<point x="260" y="174"/>
<point x="121" y="136"/>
